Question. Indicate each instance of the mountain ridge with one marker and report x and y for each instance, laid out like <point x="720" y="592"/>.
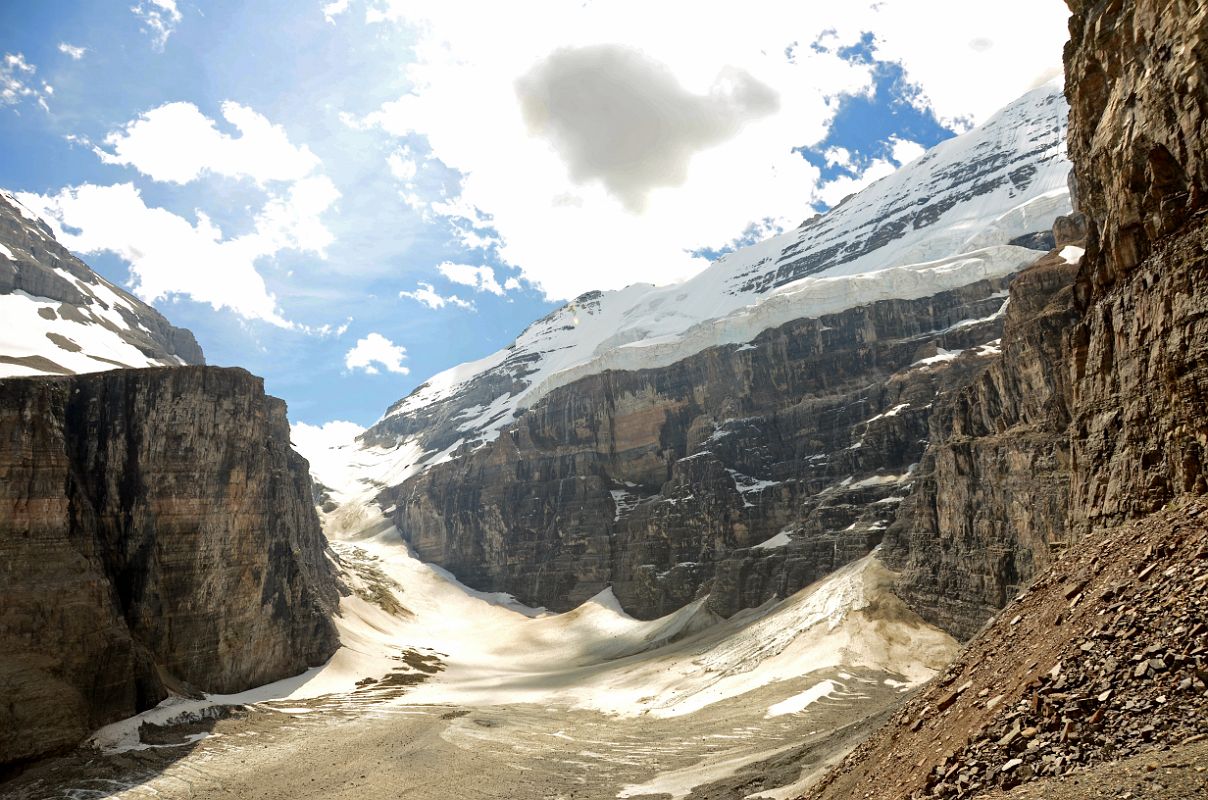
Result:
<point x="63" y="318"/>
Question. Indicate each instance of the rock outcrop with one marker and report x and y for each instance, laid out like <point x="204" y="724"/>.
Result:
<point x="156" y="532"/>
<point x="744" y="472"/>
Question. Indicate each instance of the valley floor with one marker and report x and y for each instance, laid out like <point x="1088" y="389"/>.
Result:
<point x="340" y="749"/>
<point x="440" y="691"/>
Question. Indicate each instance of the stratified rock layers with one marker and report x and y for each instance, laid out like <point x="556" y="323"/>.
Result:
<point x="664" y="482"/>
<point x="993" y="488"/>
<point x="1137" y="78"/>
<point x="1104" y="655"/>
<point x="156" y="531"/>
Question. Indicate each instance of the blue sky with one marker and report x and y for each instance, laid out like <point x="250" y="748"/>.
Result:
<point x="348" y="197"/>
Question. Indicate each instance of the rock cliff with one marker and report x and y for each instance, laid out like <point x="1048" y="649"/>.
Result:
<point x="1096" y="405"/>
<point x="1137" y="78"/>
<point x="744" y="472"/>
<point x="990" y="501"/>
<point x="156" y="532"/>
<point x="1103" y="656"/>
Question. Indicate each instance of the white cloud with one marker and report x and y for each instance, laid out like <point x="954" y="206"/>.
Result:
<point x="327" y="329"/>
<point x="426" y="294"/>
<point x="169" y="255"/>
<point x="402" y="164"/>
<point x="834" y="191"/>
<point x="481" y="278"/>
<point x="334" y="9"/>
<point x="293" y="220"/>
<point x="159" y="18"/>
<point x="837" y="157"/>
<point x="905" y="151"/>
<point x="76" y="53"/>
<point x="511" y="284"/>
<point x="376" y="349"/>
<point x="312" y="440"/>
<point x="563" y="227"/>
<point x="17" y="82"/>
<point x="176" y="143"/>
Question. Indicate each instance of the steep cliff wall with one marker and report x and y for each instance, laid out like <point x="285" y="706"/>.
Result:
<point x="744" y="472"/>
<point x="1093" y="414"/>
<point x="156" y="531"/>
<point x="1137" y="79"/>
<point x="1103" y="656"/>
<point x="993" y="490"/>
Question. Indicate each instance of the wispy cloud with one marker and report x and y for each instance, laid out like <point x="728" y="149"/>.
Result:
<point x="76" y="53"/>
<point x="482" y="279"/>
<point x="426" y="294"/>
<point x="18" y="84"/>
<point x="334" y="9"/>
<point x="159" y="18"/>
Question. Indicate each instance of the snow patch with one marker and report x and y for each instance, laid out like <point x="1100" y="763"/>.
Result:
<point x="941" y="356"/>
<point x="799" y="702"/>
<point x="779" y="540"/>
<point x="1072" y="254"/>
<point x="893" y="412"/>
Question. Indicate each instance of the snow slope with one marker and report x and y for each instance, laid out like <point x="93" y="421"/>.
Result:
<point x="954" y="216"/>
<point x="60" y="317"/>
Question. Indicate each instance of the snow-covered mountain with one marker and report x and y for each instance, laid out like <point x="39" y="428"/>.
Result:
<point x="974" y="207"/>
<point x="61" y="318"/>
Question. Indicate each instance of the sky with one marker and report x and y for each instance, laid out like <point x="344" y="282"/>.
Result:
<point x="349" y="196"/>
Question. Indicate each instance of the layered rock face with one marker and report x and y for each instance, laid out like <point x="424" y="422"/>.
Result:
<point x="1137" y="77"/>
<point x="993" y="488"/>
<point x="1095" y="413"/>
<point x="62" y="318"/>
<point x="744" y="472"/>
<point x="156" y="532"/>
<point x="1103" y="656"/>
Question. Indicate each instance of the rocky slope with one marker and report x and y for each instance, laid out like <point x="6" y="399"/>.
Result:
<point x="740" y="434"/>
<point x="1104" y="657"/>
<point x="61" y="318"/>
<point x="156" y="533"/>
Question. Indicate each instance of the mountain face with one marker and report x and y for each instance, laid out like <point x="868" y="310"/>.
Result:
<point x="156" y="530"/>
<point x="742" y="433"/>
<point x="980" y="195"/>
<point x="1103" y="656"/>
<point x="989" y="505"/>
<point x="61" y="318"/>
